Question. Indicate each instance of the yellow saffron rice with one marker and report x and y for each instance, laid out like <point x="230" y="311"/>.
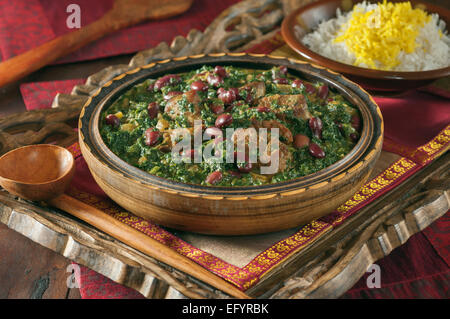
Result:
<point x="380" y="34"/>
<point x="385" y="36"/>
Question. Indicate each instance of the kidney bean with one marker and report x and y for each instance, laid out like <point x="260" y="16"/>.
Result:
<point x="220" y="71"/>
<point x="112" y="120"/>
<point x="226" y="96"/>
<point x="199" y="86"/>
<point x="323" y="92"/>
<point x="153" y="109"/>
<point x="356" y="122"/>
<point x="262" y="109"/>
<point x="217" y="108"/>
<point x="230" y="107"/>
<point x="249" y="98"/>
<point x="281" y="81"/>
<point x="235" y="173"/>
<point x="315" y="150"/>
<point x="214" y="80"/>
<point x="301" y="141"/>
<point x="354" y="137"/>
<point x="309" y="88"/>
<point x="297" y="84"/>
<point x="315" y="124"/>
<point x="151" y="87"/>
<point x="214" y="177"/>
<point x="236" y="92"/>
<point x="224" y="120"/>
<point x="151" y="137"/>
<point x="171" y="94"/>
<point x="167" y="80"/>
<point x="244" y="167"/>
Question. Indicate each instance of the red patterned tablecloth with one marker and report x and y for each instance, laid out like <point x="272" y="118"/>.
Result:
<point x="25" y="24"/>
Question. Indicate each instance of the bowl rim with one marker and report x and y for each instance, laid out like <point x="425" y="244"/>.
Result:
<point x="90" y="115"/>
<point x="288" y="34"/>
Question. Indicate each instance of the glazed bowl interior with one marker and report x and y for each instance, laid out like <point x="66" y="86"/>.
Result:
<point x="305" y="19"/>
<point x="371" y="119"/>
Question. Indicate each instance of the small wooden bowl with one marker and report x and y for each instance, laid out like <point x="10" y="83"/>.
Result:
<point x="230" y="210"/>
<point x="37" y="172"/>
<point x="305" y="19"/>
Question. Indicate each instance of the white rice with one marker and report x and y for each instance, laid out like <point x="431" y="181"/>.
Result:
<point x="432" y="51"/>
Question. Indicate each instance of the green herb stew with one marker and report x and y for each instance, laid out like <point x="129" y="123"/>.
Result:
<point x="213" y="109"/>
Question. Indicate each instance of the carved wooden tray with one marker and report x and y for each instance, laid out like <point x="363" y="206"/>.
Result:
<point x="325" y="269"/>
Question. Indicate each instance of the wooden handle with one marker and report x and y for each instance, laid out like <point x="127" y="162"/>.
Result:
<point x="21" y="65"/>
<point x="124" y="13"/>
<point x="142" y="242"/>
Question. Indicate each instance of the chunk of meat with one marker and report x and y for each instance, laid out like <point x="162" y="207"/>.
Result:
<point x="255" y="90"/>
<point x="166" y="144"/>
<point x="282" y="103"/>
<point x="284" y="88"/>
<point x="178" y="133"/>
<point x="174" y="107"/>
<point x="284" y="131"/>
<point x="285" y="157"/>
<point x="247" y="137"/>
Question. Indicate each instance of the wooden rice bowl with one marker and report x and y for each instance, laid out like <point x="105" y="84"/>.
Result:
<point x="306" y="18"/>
<point x="230" y="210"/>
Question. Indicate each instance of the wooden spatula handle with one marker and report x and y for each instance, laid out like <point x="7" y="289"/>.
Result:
<point x="21" y="65"/>
<point x="124" y="13"/>
<point x="141" y="242"/>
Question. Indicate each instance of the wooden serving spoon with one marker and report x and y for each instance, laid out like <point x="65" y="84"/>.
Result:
<point x="42" y="172"/>
<point x="123" y="14"/>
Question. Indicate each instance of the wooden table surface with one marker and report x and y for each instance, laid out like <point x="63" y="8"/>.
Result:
<point x="28" y="270"/>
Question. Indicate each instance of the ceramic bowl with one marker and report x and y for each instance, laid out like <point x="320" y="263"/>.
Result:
<point x="230" y="210"/>
<point x="305" y="19"/>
